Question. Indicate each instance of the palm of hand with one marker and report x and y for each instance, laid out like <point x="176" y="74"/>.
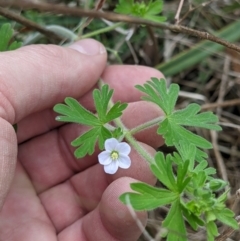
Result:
<point x="53" y="196"/>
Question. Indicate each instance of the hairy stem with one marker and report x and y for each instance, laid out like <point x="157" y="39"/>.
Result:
<point x="146" y="125"/>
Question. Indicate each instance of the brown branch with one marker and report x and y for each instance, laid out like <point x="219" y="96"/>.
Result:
<point x="13" y="16"/>
<point x="77" y="12"/>
<point x="222" y="104"/>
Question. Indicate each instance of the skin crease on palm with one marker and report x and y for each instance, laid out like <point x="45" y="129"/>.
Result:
<point x="45" y="193"/>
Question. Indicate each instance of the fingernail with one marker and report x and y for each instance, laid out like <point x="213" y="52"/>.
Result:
<point x="88" y="47"/>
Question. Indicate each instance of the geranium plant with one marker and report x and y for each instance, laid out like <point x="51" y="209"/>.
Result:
<point x="189" y="189"/>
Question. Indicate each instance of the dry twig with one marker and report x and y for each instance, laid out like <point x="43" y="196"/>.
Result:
<point x="179" y="11"/>
<point x="222" y="104"/>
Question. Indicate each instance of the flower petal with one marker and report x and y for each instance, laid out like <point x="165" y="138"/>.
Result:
<point x="104" y="158"/>
<point x="124" y="161"/>
<point x="110" y="144"/>
<point x="111" y="168"/>
<point x="123" y="148"/>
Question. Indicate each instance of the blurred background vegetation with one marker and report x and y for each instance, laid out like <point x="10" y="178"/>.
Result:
<point x="208" y="73"/>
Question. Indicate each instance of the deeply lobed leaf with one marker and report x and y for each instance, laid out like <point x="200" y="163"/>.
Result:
<point x="147" y="197"/>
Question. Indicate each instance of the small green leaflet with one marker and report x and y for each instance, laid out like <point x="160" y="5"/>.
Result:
<point x="212" y="231"/>
<point x="156" y="91"/>
<point x="148" y="197"/>
<point x="174" y="223"/>
<point x="162" y="169"/>
<point x="172" y="128"/>
<point x="191" y="218"/>
<point x="101" y="99"/>
<point x="124" y="6"/>
<point x="226" y="216"/>
<point x="189" y="117"/>
<point x="147" y="10"/>
<point x="73" y="111"/>
<point x="6" y="34"/>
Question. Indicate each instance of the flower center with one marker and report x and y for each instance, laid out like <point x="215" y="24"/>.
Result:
<point x="114" y="155"/>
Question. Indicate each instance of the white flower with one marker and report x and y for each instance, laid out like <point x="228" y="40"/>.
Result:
<point x="115" y="155"/>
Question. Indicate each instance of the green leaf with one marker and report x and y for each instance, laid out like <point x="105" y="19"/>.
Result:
<point x="210" y="216"/>
<point x="87" y="142"/>
<point x="115" y="111"/>
<point x="174" y="133"/>
<point x="14" y="45"/>
<point x="199" y="178"/>
<point x="172" y="128"/>
<point x="157" y="92"/>
<point x="155" y="7"/>
<point x="74" y="112"/>
<point x="162" y="169"/>
<point x="147" y="10"/>
<point x="189" y="117"/>
<point x="192" y="218"/>
<point x="187" y="152"/>
<point x="148" y="197"/>
<point x="226" y="216"/>
<point x="223" y="197"/>
<point x="124" y="6"/>
<point x="101" y="99"/>
<point x="182" y="178"/>
<point x="212" y="230"/>
<point x="6" y="34"/>
<point x="174" y="223"/>
<point x="217" y="184"/>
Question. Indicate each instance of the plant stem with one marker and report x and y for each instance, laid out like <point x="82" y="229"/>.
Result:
<point x="142" y="152"/>
<point x="102" y="30"/>
<point x="133" y="142"/>
<point x="146" y="125"/>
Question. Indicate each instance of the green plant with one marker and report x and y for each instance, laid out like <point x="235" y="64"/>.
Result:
<point x="147" y="10"/>
<point x="189" y="188"/>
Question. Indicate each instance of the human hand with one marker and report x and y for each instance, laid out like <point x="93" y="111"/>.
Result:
<point x="50" y="195"/>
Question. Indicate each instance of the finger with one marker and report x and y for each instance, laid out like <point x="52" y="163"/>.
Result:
<point x="121" y="78"/>
<point x="23" y="217"/>
<point x="8" y="150"/>
<point x="36" y="77"/>
<point x="115" y="216"/>
<point x="71" y="200"/>
<point x="111" y="220"/>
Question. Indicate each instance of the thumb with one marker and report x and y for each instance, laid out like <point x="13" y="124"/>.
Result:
<point x="36" y="77"/>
